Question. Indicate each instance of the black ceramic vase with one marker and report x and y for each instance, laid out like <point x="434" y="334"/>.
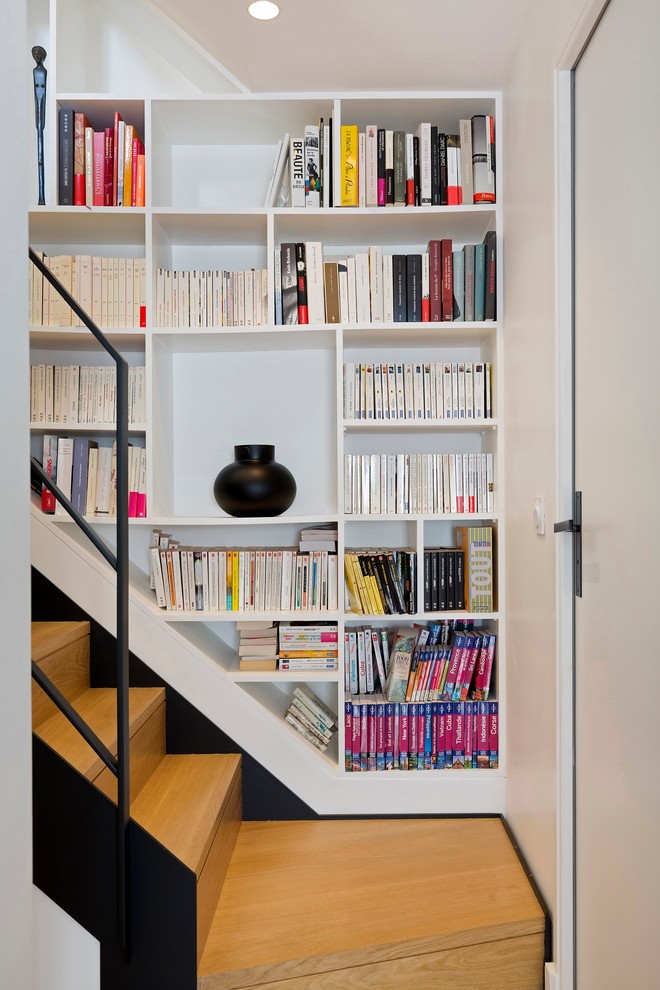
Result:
<point x="255" y="484"/>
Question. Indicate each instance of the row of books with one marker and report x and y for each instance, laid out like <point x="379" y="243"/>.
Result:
<point x="200" y="299"/>
<point x="444" y="661"/>
<point x="110" y="290"/>
<point x="302" y="169"/>
<point x="83" y="394"/>
<point x="418" y="390"/>
<point x="380" y="581"/>
<point x="309" y="716"/>
<point x="99" y="167"/>
<point x="245" y="579"/>
<point x="427" y="484"/>
<point x="86" y="472"/>
<point x="381" y="167"/>
<point x="287" y="646"/>
<point x="436" y="285"/>
<point x="438" y="735"/>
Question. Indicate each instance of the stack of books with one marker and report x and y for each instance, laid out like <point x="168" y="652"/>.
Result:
<point x="311" y="717"/>
<point x="257" y="646"/>
<point x="311" y="646"/>
<point x="318" y="538"/>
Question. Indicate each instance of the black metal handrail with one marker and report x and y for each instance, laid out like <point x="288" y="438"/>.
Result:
<point x="119" y="562"/>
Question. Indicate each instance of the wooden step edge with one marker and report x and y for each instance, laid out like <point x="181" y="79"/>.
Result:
<point x="48" y="637"/>
<point x="289" y="971"/>
<point x="214" y="868"/>
<point x="163" y="809"/>
<point x="98" y="707"/>
<point x="68" y="669"/>
<point x="517" y="962"/>
<point x="147" y="750"/>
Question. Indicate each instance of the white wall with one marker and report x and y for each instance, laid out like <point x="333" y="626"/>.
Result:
<point x="530" y="417"/>
<point x="15" y="732"/>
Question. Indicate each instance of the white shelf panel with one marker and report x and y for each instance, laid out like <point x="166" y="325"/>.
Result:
<point x="294" y="338"/>
<point x="247" y="617"/>
<point x="417" y="425"/>
<point x="222" y="520"/>
<point x="406" y="617"/>
<point x="424" y="334"/>
<point x="284" y="676"/>
<point x="417" y="517"/>
<point x="75" y="229"/>
<point x="81" y="339"/>
<point x="402" y="230"/>
<point x="84" y="427"/>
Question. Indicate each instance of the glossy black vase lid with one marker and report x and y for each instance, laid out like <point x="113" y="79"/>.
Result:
<point x="254" y="452"/>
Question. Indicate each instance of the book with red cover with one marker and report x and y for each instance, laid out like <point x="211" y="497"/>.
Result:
<point x="49" y="462"/>
<point x="108" y="145"/>
<point x="435" y="281"/>
<point x="80" y="122"/>
<point x="98" y="165"/>
<point x="447" y="278"/>
<point x="115" y="156"/>
<point x="301" y="284"/>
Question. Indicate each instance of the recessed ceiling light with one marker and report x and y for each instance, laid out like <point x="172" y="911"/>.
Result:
<point x="263" y="10"/>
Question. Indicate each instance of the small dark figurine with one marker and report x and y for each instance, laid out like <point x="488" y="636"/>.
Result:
<point x="39" y="74"/>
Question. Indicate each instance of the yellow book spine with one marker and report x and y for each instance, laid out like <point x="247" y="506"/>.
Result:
<point x="349" y="165"/>
<point x="353" y="596"/>
<point x="234" y="581"/>
<point x="128" y="164"/>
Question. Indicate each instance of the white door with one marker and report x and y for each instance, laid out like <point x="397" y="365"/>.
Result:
<point x="617" y="468"/>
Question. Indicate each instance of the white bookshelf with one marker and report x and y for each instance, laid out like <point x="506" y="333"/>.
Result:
<point x="210" y="151"/>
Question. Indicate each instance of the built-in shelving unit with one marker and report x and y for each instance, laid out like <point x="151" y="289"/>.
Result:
<point x="209" y="154"/>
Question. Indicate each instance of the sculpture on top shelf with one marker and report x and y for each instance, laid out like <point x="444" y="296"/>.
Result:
<point x="39" y="75"/>
<point x="254" y="484"/>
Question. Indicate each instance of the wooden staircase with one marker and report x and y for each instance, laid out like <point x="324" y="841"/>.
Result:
<point x="306" y="905"/>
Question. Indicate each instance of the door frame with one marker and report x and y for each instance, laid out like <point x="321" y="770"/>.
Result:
<point x="562" y="973"/>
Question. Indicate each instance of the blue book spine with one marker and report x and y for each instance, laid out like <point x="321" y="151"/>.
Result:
<point x="348" y="734"/>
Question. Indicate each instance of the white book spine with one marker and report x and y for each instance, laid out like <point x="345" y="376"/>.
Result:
<point x="376" y="283"/>
<point x="315" y="292"/>
<point x="371" y="165"/>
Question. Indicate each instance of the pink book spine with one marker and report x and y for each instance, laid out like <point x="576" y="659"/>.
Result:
<point x="132" y="505"/>
<point x="493" y="734"/>
<point x="440" y="736"/>
<point x="141" y="507"/>
<point x="371" y="735"/>
<point x="477" y="691"/>
<point x="466" y="679"/>
<point x="420" y="737"/>
<point x="403" y="736"/>
<point x="483" y="754"/>
<point x="468" y="732"/>
<point x="98" y="161"/>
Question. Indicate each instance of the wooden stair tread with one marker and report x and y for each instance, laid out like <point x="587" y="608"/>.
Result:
<point x="183" y="801"/>
<point x="327" y="895"/>
<point x="98" y="707"/>
<point x="48" y="637"/>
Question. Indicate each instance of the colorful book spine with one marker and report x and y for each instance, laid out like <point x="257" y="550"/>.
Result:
<point x="349" y="165"/>
<point x="493" y="734"/>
